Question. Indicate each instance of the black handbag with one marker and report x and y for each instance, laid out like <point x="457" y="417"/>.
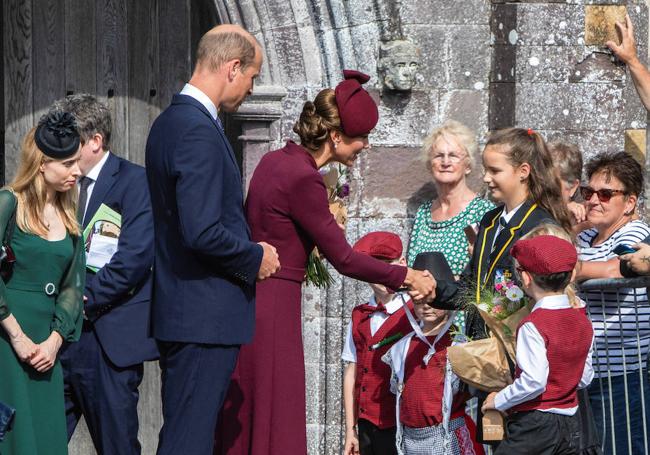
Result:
<point x="7" y="256"/>
<point x="7" y="414"/>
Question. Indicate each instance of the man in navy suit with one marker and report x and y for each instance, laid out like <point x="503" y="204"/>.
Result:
<point x="206" y="265"/>
<point x="103" y="370"/>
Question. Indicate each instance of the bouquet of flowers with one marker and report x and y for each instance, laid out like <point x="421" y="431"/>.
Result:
<point x="485" y="364"/>
<point x="338" y="188"/>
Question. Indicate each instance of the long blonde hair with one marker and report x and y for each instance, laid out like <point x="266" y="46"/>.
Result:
<point x="30" y="190"/>
<point x="556" y="231"/>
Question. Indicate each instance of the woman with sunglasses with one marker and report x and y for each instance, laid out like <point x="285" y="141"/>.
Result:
<point x="620" y="319"/>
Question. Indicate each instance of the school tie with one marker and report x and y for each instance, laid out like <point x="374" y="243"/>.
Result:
<point x="84" y="183"/>
<point x="503" y="224"/>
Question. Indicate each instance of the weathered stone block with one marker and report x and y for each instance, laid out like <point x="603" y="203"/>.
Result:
<point x="569" y="106"/>
<point x="469" y="66"/>
<point x="547" y="63"/>
<point x="504" y="63"/>
<point x="591" y="142"/>
<point x="635" y="144"/>
<point x="466" y="12"/>
<point x="549" y="24"/>
<point x="597" y="67"/>
<point x="405" y="118"/>
<point x="392" y="173"/>
<point x="466" y="106"/>
<point x="599" y="23"/>
<point x="434" y="44"/>
<point x="502" y="105"/>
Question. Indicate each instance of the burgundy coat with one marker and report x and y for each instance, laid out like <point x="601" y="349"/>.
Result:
<point x="287" y="206"/>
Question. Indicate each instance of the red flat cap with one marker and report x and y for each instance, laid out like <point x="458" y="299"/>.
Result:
<point x="545" y="255"/>
<point x="380" y="245"/>
<point x="357" y="110"/>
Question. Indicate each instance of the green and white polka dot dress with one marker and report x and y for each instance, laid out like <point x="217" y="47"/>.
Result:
<point x="446" y="237"/>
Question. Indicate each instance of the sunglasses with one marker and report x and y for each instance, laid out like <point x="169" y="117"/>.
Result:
<point x="603" y="194"/>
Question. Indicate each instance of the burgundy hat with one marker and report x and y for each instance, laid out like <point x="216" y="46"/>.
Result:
<point x="545" y="255"/>
<point x="380" y="245"/>
<point x="357" y="110"/>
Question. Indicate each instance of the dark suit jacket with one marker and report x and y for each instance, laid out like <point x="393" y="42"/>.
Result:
<point x="205" y="263"/>
<point x="119" y="294"/>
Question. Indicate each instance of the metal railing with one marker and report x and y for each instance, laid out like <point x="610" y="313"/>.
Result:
<point x="620" y="314"/>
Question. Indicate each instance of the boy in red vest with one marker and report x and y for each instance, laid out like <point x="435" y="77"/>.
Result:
<point x="373" y="329"/>
<point x="554" y="347"/>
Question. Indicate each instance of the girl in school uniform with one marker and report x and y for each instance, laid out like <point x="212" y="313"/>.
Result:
<point x="521" y="177"/>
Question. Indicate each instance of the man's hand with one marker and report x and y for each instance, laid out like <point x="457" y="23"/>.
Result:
<point x="351" y="442"/>
<point x="578" y="211"/>
<point x="421" y="284"/>
<point x="626" y="51"/>
<point x="48" y="350"/>
<point x="270" y="262"/>
<point x="639" y="261"/>
<point x="488" y="404"/>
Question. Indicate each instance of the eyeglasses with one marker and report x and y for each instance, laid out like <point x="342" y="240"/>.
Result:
<point x="452" y="157"/>
<point x="604" y="194"/>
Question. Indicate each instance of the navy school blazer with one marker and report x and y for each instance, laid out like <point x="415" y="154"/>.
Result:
<point x="205" y="263"/>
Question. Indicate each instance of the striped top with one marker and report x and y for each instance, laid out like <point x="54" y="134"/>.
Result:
<point x="620" y="317"/>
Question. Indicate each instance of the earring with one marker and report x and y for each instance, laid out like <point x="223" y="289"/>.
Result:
<point x="336" y="145"/>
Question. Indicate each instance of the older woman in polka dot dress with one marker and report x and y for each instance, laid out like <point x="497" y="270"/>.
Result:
<point x="448" y="153"/>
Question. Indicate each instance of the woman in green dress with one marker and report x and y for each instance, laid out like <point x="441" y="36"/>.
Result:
<point x="41" y="302"/>
<point x="448" y="153"/>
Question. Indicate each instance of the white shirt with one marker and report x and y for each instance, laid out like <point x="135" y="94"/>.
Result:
<point x="377" y="319"/>
<point x="533" y="363"/>
<point x="202" y="98"/>
<point x="93" y="175"/>
<point x="506" y="217"/>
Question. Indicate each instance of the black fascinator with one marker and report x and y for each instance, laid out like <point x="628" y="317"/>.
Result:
<point x="57" y="136"/>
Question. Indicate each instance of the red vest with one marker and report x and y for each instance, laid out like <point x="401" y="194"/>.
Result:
<point x="421" y="402"/>
<point x="567" y="334"/>
<point x="372" y="396"/>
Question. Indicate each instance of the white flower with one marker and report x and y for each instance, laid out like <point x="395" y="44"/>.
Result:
<point x="514" y="294"/>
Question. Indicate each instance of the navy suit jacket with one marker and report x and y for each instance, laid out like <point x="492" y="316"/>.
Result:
<point x="205" y="264"/>
<point x="119" y="294"/>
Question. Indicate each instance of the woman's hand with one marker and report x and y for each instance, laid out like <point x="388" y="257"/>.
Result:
<point x="351" y="443"/>
<point x="24" y="347"/>
<point x="578" y="212"/>
<point x="46" y="357"/>
<point x="639" y="261"/>
<point x="421" y="284"/>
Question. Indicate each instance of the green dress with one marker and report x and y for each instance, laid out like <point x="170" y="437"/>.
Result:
<point x="45" y="294"/>
<point x="447" y="237"/>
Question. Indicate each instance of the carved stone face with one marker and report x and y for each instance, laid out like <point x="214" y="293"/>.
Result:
<point x="399" y="61"/>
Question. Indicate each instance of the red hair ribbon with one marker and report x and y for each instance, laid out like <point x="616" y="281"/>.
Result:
<point x="530" y="131"/>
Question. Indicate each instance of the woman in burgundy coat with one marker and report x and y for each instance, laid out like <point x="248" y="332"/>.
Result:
<point x="287" y="206"/>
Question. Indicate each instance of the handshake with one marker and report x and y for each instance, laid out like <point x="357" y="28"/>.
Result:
<point x="421" y="285"/>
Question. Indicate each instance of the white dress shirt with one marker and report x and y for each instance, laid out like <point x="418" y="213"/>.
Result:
<point x="506" y="217"/>
<point x="202" y="98"/>
<point x="377" y="319"/>
<point x="93" y="175"/>
<point x="533" y="363"/>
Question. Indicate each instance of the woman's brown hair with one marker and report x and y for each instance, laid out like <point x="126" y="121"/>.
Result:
<point x="544" y="186"/>
<point x="317" y="119"/>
